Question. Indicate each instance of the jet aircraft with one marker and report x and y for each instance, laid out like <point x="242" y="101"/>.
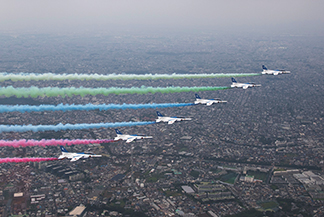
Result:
<point x="170" y="120"/>
<point x="273" y="72"/>
<point x="75" y="156"/>
<point x="129" y="138"/>
<point x="208" y="102"/>
<point x="243" y="85"/>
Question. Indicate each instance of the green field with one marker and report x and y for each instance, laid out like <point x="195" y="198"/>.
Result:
<point x="216" y="171"/>
<point x="169" y="193"/>
<point x="154" y="177"/>
<point x="258" y="175"/>
<point x="229" y="178"/>
<point x="268" y="205"/>
<point x="194" y="173"/>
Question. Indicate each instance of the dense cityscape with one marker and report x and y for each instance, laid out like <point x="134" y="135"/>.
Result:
<point x="259" y="154"/>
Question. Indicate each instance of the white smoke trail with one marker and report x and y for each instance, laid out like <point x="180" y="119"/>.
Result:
<point x="104" y="77"/>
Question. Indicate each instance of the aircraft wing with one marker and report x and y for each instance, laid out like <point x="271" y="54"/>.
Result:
<point x="96" y="155"/>
<point x="76" y="157"/>
<point x="171" y="121"/>
<point x="245" y="86"/>
<point x="209" y="103"/>
<point x="130" y="139"/>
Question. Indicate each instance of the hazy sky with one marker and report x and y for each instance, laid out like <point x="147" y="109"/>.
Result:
<point x="63" y="14"/>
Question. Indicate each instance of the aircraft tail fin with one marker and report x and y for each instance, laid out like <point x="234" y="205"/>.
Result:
<point x="233" y="80"/>
<point x="159" y="114"/>
<point x="264" y="68"/>
<point x="197" y="96"/>
<point x="118" y="132"/>
<point x="63" y="149"/>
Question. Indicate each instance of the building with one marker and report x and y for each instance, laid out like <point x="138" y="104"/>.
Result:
<point x="78" y="211"/>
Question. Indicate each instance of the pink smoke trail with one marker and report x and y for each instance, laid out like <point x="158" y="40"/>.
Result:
<point x="25" y="160"/>
<point x="51" y="142"/>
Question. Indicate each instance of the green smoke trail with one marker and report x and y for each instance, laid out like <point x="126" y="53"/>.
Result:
<point x="55" y="91"/>
<point x="59" y="77"/>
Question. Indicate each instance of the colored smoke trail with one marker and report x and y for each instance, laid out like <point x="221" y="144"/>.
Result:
<point x="87" y="107"/>
<point x="55" y="91"/>
<point x="51" y="142"/>
<point x="37" y="128"/>
<point x="101" y="77"/>
<point x="25" y="160"/>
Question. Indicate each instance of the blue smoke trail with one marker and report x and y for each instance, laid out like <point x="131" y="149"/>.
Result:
<point x="87" y="107"/>
<point x="37" y="128"/>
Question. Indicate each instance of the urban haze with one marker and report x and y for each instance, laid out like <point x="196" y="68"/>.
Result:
<point x="259" y="154"/>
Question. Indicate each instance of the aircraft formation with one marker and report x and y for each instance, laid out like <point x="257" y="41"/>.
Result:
<point x="243" y="85"/>
<point x="207" y="102"/>
<point x="170" y="120"/>
<point x="75" y="156"/>
<point x="129" y="138"/>
<point x="10" y="91"/>
<point x="273" y="72"/>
